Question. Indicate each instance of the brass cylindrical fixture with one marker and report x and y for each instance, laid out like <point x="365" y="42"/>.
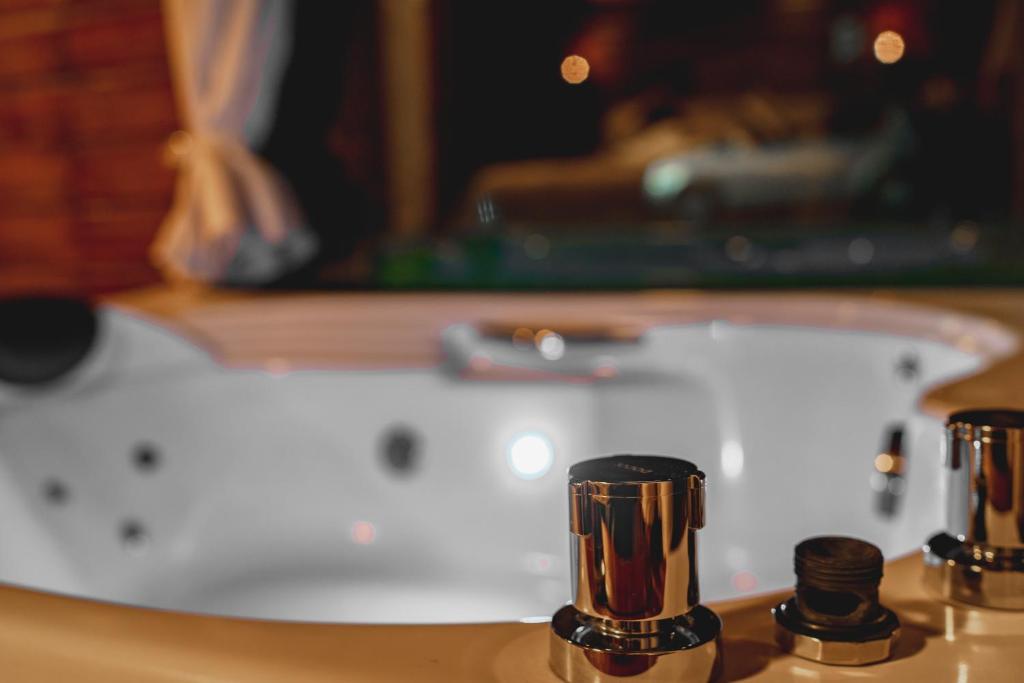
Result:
<point x="979" y="559"/>
<point x="635" y="606"/>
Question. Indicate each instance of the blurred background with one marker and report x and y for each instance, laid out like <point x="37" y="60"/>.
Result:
<point x="579" y="144"/>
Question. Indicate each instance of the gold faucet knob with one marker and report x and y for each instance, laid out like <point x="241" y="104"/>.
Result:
<point x="633" y="519"/>
<point x="633" y="522"/>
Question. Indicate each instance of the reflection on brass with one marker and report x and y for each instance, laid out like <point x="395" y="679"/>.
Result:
<point x="635" y="608"/>
<point x="835" y="616"/>
<point x="980" y="558"/>
<point x="974" y="574"/>
<point x="585" y="649"/>
<point x="520" y="333"/>
<point x="835" y="652"/>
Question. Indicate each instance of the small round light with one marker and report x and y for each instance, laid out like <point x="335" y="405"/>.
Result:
<point x="744" y="581"/>
<point x="861" y="251"/>
<point x="885" y="463"/>
<point x="663" y="181"/>
<point x="537" y="247"/>
<point x="522" y="337"/>
<point x="964" y="237"/>
<point x="530" y="456"/>
<point x="363" y="533"/>
<point x="550" y="344"/>
<point x="732" y="459"/>
<point x="575" y="69"/>
<point x="739" y="249"/>
<point x="889" y="47"/>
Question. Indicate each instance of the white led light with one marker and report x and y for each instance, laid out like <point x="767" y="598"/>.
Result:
<point x="530" y="455"/>
<point x="732" y="459"/>
<point x="551" y="346"/>
<point x="664" y="180"/>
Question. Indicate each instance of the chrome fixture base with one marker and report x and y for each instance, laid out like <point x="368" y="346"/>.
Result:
<point x="585" y="648"/>
<point x="868" y="644"/>
<point x="974" y="574"/>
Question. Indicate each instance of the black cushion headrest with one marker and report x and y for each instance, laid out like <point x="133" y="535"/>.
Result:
<point x="43" y="338"/>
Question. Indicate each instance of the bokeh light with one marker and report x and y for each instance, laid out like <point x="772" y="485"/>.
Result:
<point x="744" y="581"/>
<point x="363" y="533"/>
<point x="530" y="456"/>
<point x="889" y="47"/>
<point x="550" y="344"/>
<point x="575" y="69"/>
<point x="885" y="463"/>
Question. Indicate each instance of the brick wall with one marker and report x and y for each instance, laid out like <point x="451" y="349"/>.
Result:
<point x="85" y="107"/>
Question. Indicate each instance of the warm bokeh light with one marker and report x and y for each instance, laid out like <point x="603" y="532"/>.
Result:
<point x="884" y="463"/>
<point x="964" y="237"/>
<point x="887" y="463"/>
<point x="522" y="337"/>
<point x="744" y="581"/>
<point x="889" y="47"/>
<point x="363" y="533"/>
<point x="575" y="69"/>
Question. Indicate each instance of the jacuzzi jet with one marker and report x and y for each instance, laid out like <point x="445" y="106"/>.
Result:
<point x="133" y="536"/>
<point x="636" y="607"/>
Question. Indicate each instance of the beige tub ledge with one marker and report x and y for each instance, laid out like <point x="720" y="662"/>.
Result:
<point x="46" y="638"/>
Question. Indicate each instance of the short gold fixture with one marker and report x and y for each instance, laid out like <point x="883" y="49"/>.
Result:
<point x="636" y="608"/>
<point x="835" y="616"/>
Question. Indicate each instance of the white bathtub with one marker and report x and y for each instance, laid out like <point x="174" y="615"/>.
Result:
<point x="157" y="477"/>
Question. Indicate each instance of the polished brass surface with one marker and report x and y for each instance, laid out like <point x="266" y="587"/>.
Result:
<point x="633" y="522"/>
<point x="986" y="465"/>
<point x="974" y="574"/>
<point x="835" y="652"/>
<point x="635" y="602"/>
<point x="980" y="558"/>
<point x="840" y="647"/>
<point x="683" y="649"/>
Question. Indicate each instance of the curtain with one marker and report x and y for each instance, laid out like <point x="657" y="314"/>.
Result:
<point x="234" y="219"/>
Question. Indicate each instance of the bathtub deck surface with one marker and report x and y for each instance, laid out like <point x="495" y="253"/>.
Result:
<point x="46" y="637"/>
<point x="50" y="638"/>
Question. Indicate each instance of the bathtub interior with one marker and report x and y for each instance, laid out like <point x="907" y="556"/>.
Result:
<point x="159" y="478"/>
